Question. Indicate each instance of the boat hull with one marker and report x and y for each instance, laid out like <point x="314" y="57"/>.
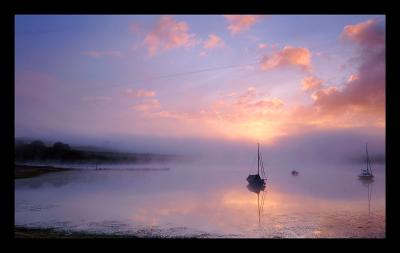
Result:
<point x="366" y="176"/>
<point x="255" y="180"/>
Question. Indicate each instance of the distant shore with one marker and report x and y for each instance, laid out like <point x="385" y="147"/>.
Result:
<point x="28" y="171"/>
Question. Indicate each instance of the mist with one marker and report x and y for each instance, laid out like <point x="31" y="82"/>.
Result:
<point x="326" y="146"/>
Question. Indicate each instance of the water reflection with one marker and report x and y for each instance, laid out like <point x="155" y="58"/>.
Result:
<point x="368" y="183"/>
<point x="257" y="189"/>
<point x="212" y="200"/>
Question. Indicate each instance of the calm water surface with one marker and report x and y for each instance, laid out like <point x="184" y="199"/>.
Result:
<point x="206" y="200"/>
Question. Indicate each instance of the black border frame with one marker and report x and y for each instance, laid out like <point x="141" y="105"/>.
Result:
<point x="205" y="7"/>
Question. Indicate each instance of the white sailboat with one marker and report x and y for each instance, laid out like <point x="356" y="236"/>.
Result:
<point x="256" y="179"/>
<point x="366" y="173"/>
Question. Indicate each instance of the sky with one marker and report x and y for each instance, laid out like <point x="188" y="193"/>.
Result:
<point x="242" y="78"/>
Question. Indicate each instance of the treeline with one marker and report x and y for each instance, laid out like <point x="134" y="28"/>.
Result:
<point x="38" y="151"/>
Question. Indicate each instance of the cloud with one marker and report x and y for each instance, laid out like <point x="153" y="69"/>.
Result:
<point x="168" y="34"/>
<point x="289" y="56"/>
<point x="262" y="45"/>
<point x="246" y="114"/>
<point x="352" y="77"/>
<point x="363" y="92"/>
<point x="241" y="23"/>
<point x="130" y="93"/>
<point x="146" y="105"/>
<point x="202" y="53"/>
<point x="311" y="83"/>
<point x="233" y="105"/>
<point x="247" y="105"/>
<point x="213" y="41"/>
<point x="369" y="33"/>
<point x="357" y="102"/>
<point x="323" y="93"/>
<point x="100" y="54"/>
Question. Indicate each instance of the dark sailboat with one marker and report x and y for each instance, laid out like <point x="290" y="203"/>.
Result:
<point x="366" y="173"/>
<point x="257" y="180"/>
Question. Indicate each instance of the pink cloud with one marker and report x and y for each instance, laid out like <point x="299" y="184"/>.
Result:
<point x="262" y="45"/>
<point x="267" y="103"/>
<point x="202" y="53"/>
<point x="213" y="41"/>
<point x="368" y="33"/>
<point x="289" y="56"/>
<point x="248" y="104"/>
<point x="323" y="93"/>
<point x="99" y="54"/>
<point x="363" y="92"/>
<point x="146" y="105"/>
<point x="241" y="23"/>
<point x="352" y="77"/>
<point x="168" y="34"/>
<point x="130" y="93"/>
<point x="311" y="82"/>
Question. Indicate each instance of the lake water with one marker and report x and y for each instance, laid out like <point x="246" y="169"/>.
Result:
<point x="206" y="200"/>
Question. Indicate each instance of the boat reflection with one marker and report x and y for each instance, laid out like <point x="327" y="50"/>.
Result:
<point x="368" y="183"/>
<point x="257" y="189"/>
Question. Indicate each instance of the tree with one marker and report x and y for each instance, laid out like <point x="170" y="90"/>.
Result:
<point x="60" y="147"/>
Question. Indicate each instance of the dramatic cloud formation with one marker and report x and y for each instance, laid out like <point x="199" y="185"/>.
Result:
<point x="168" y="34"/>
<point x="289" y="56"/>
<point x="365" y="92"/>
<point x="100" y="54"/>
<point x="213" y="41"/>
<point x="241" y="23"/>
<point x="311" y="82"/>
<point x="369" y="33"/>
<point x="131" y="93"/>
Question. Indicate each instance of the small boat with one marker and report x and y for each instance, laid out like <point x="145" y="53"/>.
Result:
<point x="295" y="173"/>
<point x="256" y="180"/>
<point x="366" y="173"/>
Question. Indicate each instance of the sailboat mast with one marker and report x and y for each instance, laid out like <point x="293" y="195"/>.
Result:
<point x="368" y="161"/>
<point x="258" y="155"/>
<point x="366" y="151"/>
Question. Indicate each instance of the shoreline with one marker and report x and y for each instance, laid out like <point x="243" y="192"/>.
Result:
<point x="49" y="233"/>
<point x="29" y="171"/>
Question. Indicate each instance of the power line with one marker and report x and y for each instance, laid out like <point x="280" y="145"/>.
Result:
<point x="205" y="70"/>
<point x="195" y="72"/>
